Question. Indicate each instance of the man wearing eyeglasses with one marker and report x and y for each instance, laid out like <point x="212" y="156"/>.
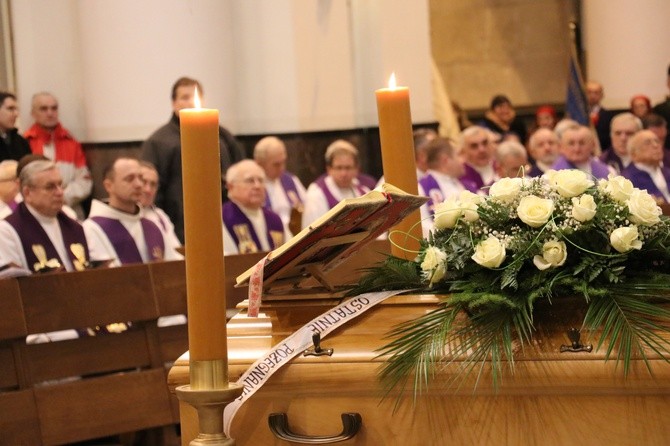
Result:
<point x="49" y="138"/>
<point x="39" y="236"/>
<point x="12" y="144"/>
<point x="249" y="226"/>
<point x="116" y="229"/>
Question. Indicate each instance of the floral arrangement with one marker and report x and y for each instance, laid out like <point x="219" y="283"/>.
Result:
<point x="495" y="258"/>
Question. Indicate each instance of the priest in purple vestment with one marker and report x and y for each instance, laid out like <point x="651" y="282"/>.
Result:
<point x="38" y="236"/>
<point x="249" y="226"/>
<point x="116" y="230"/>
<point x="476" y="148"/>
<point x="577" y="147"/>
<point x="646" y="171"/>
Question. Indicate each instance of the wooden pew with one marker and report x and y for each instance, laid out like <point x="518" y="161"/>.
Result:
<point x="18" y="412"/>
<point x="96" y="386"/>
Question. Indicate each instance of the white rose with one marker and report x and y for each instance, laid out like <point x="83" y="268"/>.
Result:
<point x="447" y="214"/>
<point x="554" y="253"/>
<point x="549" y="176"/>
<point x="433" y="264"/>
<point x="469" y="205"/>
<point x="625" y="239"/>
<point x="535" y="211"/>
<point x="618" y="187"/>
<point x="570" y="182"/>
<point x="643" y="208"/>
<point x="489" y="253"/>
<point x="505" y="189"/>
<point x="583" y="208"/>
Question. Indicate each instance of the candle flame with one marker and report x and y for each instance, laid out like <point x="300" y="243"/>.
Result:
<point x="196" y="98"/>
<point x="392" y="84"/>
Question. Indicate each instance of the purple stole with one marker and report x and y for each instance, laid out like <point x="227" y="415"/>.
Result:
<point x="124" y="244"/>
<point x="598" y="168"/>
<point x="610" y="158"/>
<point x="642" y="180"/>
<point x="330" y="198"/>
<point x="13" y="205"/>
<point x="433" y="191"/>
<point x="242" y="231"/>
<point x="290" y="189"/>
<point x="31" y="233"/>
<point x="472" y="180"/>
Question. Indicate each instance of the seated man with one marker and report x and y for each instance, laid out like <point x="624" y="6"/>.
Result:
<point x="646" y="171"/>
<point x="248" y="226"/>
<point x="285" y="193"/>
<point x="116" y="230"/>
<point x="622" y="127"/>
<point x="476" y="148"/>
<point x="511" y="160"/>
<point x="149" y="208"/>
<point x="576" y="148"/>
<point x="543" y="147"/>
<point x="38" y="236"/>
<point x="9" y="187"/>
<point x="441" y="179"/>
<point x="340" y="181"/>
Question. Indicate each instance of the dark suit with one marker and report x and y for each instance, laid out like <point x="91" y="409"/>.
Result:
<point x="601" y="122"/>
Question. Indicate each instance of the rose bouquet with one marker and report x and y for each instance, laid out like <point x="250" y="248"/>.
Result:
<point x="534" y="240"/>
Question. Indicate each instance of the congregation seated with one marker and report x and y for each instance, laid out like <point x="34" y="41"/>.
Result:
<point x="9" y="187"/>
<point x="117" y="230"/>
<point x="340" y="182"/>
<point x="622" y="127"/>
<point x="285" y="194"/>
<point x="422" y="136"/>
<point x="441" y="179"/>
<point x="248" y="226"/>
<point x="577" y="146"/>
<point x="476" y="148"/>
<point x="152" y="212"/>
<point x="543" y="148"/>
<point x="646" y="171"/>
<point x="511" y="160"/>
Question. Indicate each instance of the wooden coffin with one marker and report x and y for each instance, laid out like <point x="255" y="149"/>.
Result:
<point x="552" y="397"/>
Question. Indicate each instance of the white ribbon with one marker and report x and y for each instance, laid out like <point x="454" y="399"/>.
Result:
<point x="294" y="345"/>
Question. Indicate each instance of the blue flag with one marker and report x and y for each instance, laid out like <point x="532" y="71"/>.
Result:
<point x="575" y="101"/>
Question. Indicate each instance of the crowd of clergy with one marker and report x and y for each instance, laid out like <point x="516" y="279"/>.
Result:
<point x="44" y="178"/>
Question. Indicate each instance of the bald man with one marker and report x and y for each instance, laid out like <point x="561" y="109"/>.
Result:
<point x="646" y="171"/>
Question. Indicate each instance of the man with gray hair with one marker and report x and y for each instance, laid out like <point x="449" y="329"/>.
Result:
<point x="38" y="236"/>
<point x="476" y="149"/>
<point x="49" y="138"/>
<point x="646" y="171"/>
<point x="577" y="145"/>
<point x="285" y="194"/>
<point x="622" y="127"/>
<point x="248" y="226"/>
<point x="543" y="148"/>
<point x="340" y="182"/>
<point x="511" y="160"/>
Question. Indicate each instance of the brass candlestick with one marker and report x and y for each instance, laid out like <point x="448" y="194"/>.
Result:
<point x="209" y="393"/>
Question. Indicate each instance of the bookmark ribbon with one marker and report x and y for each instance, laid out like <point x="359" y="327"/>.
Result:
<point x="256" y="287"/>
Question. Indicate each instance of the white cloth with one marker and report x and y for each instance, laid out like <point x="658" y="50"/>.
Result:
<point x="101" y="248"/>
<point x="5" y="210"/>
<point x="11" y="249"/>
<point x="487" y="173"/>
<point x="278" y="200"/>
<point x="158" y="216"/>
<point x="316" y="203"/>
<point x="257" y="219"/>
<point x="450" y="188"/>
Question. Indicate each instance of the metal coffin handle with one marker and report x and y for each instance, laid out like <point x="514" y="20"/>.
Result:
<point x="351" y="424"/>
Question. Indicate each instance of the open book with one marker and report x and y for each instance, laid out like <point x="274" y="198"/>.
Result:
<point x="332" y="238"/>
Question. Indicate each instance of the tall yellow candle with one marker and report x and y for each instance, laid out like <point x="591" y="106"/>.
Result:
<point x="205" y="274"/>
<point x="398" y="160"/>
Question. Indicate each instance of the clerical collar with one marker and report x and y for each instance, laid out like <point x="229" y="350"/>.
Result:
<point x="137" y="211"/>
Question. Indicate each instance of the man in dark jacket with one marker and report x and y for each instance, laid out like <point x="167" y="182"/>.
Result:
<point x="12" y="145"/>
<point x="163" y="150"/>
